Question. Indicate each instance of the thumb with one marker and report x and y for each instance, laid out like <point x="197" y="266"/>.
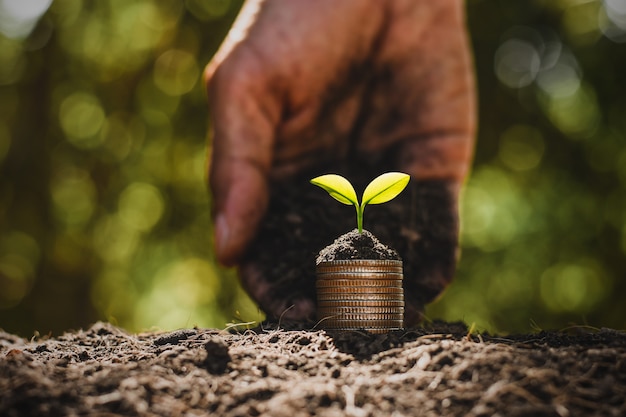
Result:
<point x="240" y="156"/>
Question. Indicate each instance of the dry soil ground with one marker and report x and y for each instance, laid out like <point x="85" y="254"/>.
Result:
<point x="438" y="370"/>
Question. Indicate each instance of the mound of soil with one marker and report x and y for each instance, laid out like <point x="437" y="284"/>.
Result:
<point x="356" y="245"/>
<point x="440" y="370"/>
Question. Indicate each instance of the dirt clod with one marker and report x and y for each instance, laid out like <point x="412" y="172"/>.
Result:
<point x="173" y="338"/>
<point x="217" y="358"/>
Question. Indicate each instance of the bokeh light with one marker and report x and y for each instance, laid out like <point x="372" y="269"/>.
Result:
<point x="612" y="18"/>
<point x="20" y="255"/>
<point x="81" y="117"/>
<point x="18" y="18"/>
<point x="73" y="197"/>
<point x="521" y="147"/>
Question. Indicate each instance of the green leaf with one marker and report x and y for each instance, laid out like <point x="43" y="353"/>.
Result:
<point x="385" y="188"/>
<point x="338" y="187"/>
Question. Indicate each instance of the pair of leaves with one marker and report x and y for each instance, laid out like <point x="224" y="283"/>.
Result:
<point x="380" y="190"/>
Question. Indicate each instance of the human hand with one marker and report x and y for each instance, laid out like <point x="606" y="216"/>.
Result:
<point x="300" y="84"/>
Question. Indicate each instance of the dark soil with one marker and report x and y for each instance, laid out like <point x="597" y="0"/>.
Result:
<point x="357" y="245"/>
<point x="437" y="370"/>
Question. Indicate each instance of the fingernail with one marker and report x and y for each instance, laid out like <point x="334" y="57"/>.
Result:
<point x="221" y="234"/>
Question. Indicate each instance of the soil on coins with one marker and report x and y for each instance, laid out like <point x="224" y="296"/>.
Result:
<point x="357" y="245"/>
<point x="437" y="370"/>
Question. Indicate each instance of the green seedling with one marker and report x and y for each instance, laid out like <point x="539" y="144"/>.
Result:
<point x="382" y="189"/>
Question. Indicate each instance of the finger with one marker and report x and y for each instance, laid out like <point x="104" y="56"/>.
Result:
<point x="243" y="125"/>
<point x="429" y="106"/>
<point x="437" y="157"/>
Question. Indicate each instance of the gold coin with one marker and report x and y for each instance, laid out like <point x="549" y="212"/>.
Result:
<point x="360" y="303"/>
<point x="329" y="323"/>
<point x="361" y="309"/>
<point x="321" y="291"/>
<point x="392" y="301"/>
<point x="360" y="265"/>
<point x="375" y="330"/>
<point x="355" y="269"/>
<point x="329" y="303"/>
<point x="364" y="317"/>
<point x="388" y="326"/>
<point x="331" y="294"/>
<point x="323" y="283"/>
<point x="354" y="276"/>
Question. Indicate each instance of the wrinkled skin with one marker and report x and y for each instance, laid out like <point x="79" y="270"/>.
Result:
<point x="300" y="83"/>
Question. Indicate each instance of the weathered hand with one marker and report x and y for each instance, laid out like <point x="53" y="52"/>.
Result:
<point x="299" y="84"/>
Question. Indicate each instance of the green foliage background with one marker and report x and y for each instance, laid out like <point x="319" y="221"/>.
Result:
<point x="104" y="212"/>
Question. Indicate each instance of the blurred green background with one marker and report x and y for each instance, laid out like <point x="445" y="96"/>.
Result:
<point x="104" y="212"/>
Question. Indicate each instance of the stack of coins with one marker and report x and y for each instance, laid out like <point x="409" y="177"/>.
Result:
<point x="360" y="294"/>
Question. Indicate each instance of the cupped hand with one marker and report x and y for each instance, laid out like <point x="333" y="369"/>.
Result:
<point x="298" y="83"/>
